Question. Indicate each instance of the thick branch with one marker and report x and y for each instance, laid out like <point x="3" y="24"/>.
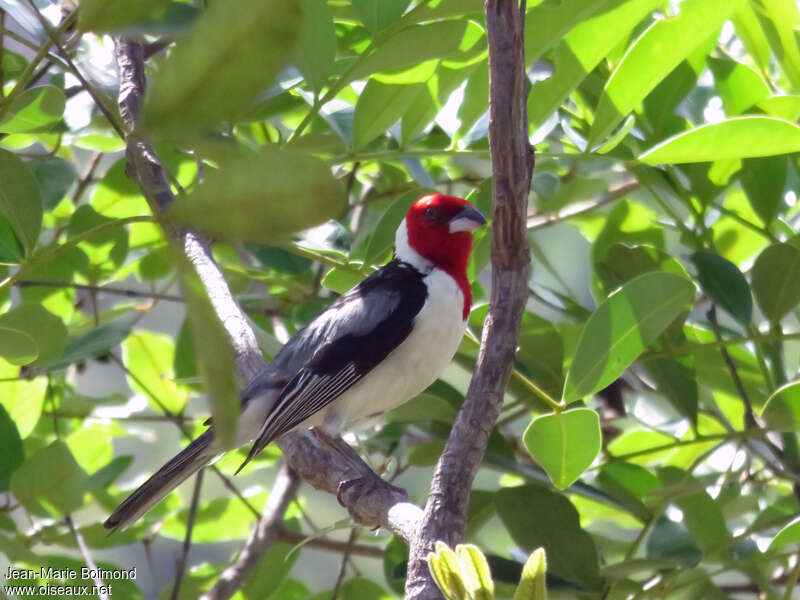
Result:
<point x="512" y="166"/>
<point x="372" y="502"/>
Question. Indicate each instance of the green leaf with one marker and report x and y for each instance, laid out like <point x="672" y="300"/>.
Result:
<point x="540" y="351"/>
<point x="234" y="50"/>
<point x="34" y="109"/>
<point x="22" y="398"/>
<point x="50" y="482"/>
<point x="582" y="50"/>
<point x="55" y="176"/>
<point x="622" y="327"/>
<point x="111" y="15"/>
<point x="381" y="241"/>
<point x="782" y="410"/>
<point x="47" y="331"/>
<point x="316" y="47"/>
<point x="16" y="346"/>
<point x="105" y="476"/>
<point x="702" y="515"/>
<point x="379" y="15"/>
<point x="789" y="534"/>
<point x="415" y="45"/>
<point x="776" y="280"/>
<point x="725" y="284"/>
<point x="259" y="198"/>
<point x="537" y="517"/>
<point x="565" y="444"/>
<point x="653" y="56"/>
<point x="676" y="378"/>
<point x="11" y="250"/>
<point x="548" y="23"/>
<point x="764" y="180"/>
<point x="475" y="571"/>
<point x="446" y="572"/>
<point x="380" y="105"/>
<point x="740" y="137"/>
<point x="780" y="20"/>
<point x="425" y="407"/>
<point x="341" y="280"/>
<point x="97" y="342"/>
<point x="739" y="86"/>
<point x="149" y="358"/>
<point x="673" y="541"/>
<point x="20" y="199"/>
<point x="532" y="584"/>
<point x="782" y="107"/>
<point x="10" y="449"/>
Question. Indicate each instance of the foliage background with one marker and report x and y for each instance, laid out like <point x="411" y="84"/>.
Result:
<point x="666" y="171"/>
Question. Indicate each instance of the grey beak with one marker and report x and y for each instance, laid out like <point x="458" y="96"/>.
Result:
<point x="468" y="219"/>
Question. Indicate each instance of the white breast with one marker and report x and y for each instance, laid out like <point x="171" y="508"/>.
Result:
<point x="412" y="367"/>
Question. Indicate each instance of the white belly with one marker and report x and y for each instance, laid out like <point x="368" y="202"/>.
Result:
<point x="412" y="367"/>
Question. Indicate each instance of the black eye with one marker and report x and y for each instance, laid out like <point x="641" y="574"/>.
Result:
<point x="432" y="214"/>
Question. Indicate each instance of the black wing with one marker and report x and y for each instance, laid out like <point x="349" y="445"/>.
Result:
<point x="340" y="346"/>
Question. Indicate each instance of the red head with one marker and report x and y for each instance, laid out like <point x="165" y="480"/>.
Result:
<point x="440" y="230"/>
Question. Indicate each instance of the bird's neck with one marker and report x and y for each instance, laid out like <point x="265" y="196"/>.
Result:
<point x="454" y="264"/>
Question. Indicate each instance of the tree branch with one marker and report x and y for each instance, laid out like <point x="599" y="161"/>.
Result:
<point x="369" y="500"/>
<point x="512" y="167"/>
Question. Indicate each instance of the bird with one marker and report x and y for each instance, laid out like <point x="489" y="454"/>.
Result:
<point x="376" y="347"/>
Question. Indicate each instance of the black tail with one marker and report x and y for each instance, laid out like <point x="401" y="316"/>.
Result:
<point x="190" y="460"/>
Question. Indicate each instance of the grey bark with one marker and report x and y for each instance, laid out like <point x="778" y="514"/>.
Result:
<point x="512" y="167"/>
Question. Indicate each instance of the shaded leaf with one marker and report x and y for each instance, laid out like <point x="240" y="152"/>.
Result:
<point x="20" y="199"/>
<point x="232" y="53"/>
<point x="623" y="326"/>
<point x="50" y="482"/>
<point x="763" y="180"/>
<point x="259" y="198"/>
<point x="17" y="346"/>
<point x="316" y="46"/>
<point x="110" y="15"/>
<point x="10" y="449"/>
<point x="781" y="412"/>
<point x="725" y="284"/>
<point x="47" y="331"/>
<point x="536" y="517"/>
<point x="776" y="280"/>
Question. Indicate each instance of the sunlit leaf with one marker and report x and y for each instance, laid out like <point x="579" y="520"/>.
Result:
<point x="653" y="55"/>
<point x="34" y="109"/>
<point x="741" y="137"/>
<point x="565" y="444"/>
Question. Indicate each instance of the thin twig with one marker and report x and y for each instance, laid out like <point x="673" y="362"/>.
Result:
<point x="187" y="540"/>
<point x="323" y="543"/>
<point x="98" y="289"/>
<point x="343" y="567"/>
<point x="749" y="416"/>
<point x="541" y="221"/>
<point x="102" y="592"/>
<point x="266" y="532"/>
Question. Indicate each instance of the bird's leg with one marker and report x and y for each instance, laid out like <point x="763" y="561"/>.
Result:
<point x="365" y="480"/>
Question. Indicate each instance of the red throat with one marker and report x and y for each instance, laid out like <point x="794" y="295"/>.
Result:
<point x="434" y="241"/>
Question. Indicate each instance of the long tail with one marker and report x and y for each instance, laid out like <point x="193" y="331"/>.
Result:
<point x="190" y="460"/>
